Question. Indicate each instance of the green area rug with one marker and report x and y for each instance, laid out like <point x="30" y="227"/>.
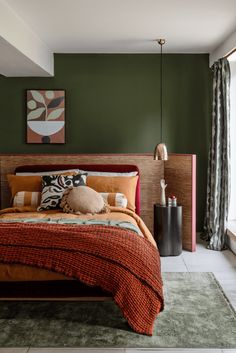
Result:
<point x="197" y="315"/>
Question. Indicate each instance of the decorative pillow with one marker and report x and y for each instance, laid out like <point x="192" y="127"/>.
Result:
<point x="113" y="174"/>
<point x="115" y="199"/>
<point x="126" y="186"/>
<point x="53" y="187"/>
<point x="27" y="198"/>
<point x="24" y="183"/>
<point x="83" y="200"/>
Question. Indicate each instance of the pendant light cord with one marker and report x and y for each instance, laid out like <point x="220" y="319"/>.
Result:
<point x="161" y="90"/>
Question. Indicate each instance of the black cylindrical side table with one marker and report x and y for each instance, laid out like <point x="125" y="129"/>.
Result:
<point x="168" y="229"/>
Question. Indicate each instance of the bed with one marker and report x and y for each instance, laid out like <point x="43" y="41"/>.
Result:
<point x="50" y="254"/>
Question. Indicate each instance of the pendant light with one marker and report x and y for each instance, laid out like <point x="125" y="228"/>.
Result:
<point x="160" y="152"/>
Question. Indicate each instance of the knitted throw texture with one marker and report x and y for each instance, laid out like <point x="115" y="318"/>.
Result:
<point x="117" y="260"/>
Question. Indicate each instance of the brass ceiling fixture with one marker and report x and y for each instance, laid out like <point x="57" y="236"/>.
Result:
<point x="160" y="152"/>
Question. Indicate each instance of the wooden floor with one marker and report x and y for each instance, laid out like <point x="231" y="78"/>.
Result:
<point x="222" y="264"/>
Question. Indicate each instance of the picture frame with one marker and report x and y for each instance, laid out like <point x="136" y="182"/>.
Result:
<point x="45" y="116"/>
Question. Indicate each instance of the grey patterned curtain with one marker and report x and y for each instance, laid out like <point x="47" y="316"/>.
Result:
<point x="218" y="184"/>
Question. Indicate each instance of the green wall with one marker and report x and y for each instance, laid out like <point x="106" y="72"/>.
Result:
<point x="112" y="105"/>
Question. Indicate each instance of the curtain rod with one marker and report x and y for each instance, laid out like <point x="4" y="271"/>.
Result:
<point x="230" y="53"/>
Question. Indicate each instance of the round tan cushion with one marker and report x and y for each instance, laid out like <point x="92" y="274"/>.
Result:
<point x="83" y="200"/>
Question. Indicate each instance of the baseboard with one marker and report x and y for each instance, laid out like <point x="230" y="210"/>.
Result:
<point x="231" y="240"/>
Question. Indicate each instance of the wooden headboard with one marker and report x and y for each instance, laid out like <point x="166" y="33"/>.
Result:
<point x="178" y="172"/>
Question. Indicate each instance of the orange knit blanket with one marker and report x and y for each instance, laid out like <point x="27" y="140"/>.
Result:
<point x="117" y="260"/>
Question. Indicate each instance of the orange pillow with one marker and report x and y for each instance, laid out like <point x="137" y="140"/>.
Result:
<point x="27" y="183"/>
<point x="123" y="185"/>
<point x="24" y="183"/>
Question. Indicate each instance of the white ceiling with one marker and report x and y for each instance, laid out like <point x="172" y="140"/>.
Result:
<point x="128" y="26"/>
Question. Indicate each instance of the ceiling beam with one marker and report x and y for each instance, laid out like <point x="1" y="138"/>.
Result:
<point x="28" y="55"/>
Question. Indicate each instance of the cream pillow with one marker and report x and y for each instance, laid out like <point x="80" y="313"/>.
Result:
<point x="27" y="198"/>
<point x="115" y="199"/>
<point x="111" y="174"/>
<point x="83" y="200"/>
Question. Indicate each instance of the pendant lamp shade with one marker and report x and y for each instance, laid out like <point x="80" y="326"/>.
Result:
<point x="160" y="152"/>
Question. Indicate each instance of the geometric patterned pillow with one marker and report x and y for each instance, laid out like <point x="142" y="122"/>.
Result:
<point x="115" y="199"/>
<point x="53" y="187"/>
<point x="27" y="198"/>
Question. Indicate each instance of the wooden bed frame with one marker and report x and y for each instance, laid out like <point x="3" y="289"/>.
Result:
<point x="180" y="175"/>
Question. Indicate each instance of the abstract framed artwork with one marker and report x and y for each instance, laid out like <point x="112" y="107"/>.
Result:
<point x="45" y="115"/>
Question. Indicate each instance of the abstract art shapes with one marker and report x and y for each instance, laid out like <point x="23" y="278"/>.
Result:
<point x="45" y="116"/>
